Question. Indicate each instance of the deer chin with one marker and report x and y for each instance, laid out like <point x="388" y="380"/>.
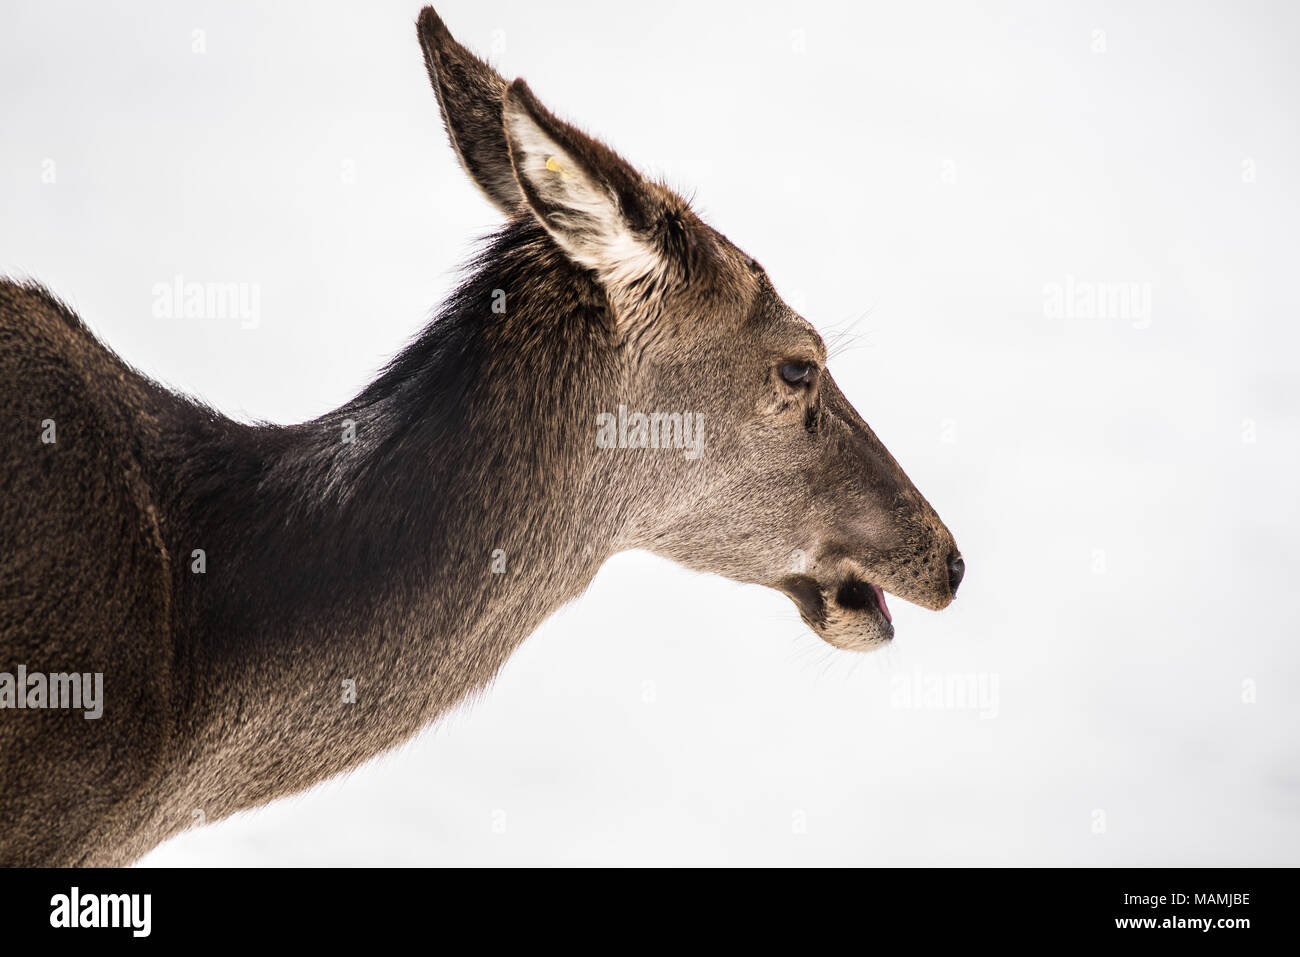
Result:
<point x="849" y="613"/>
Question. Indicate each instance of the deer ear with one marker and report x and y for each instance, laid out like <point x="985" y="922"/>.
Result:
<point x="595" y="205"/>
<point x="469" y="95"/>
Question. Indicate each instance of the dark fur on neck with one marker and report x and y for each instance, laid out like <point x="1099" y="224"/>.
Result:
<point x="370" y="561"/>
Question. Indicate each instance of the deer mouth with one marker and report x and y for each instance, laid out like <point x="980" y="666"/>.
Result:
<point x="848" y="613"/>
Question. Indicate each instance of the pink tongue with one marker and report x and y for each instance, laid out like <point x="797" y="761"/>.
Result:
<point x="880" y="600"/>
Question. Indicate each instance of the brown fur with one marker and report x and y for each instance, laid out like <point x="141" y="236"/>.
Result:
<point x="373" y="561"/>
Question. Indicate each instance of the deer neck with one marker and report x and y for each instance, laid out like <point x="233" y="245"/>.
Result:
<point x="365" y="572"/>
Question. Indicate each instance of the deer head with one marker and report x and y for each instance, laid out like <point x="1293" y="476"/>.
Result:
<point x="720" y="428"/>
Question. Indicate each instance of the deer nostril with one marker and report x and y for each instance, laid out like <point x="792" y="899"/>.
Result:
<point x="956" y="570"/>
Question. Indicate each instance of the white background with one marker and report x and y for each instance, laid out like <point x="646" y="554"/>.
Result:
<point x="916" y="174"/>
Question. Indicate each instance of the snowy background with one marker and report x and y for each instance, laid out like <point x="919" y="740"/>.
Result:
<point x="926" y="178"/>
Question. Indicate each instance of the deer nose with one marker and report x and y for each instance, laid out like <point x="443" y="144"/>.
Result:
<point x="956" y="570"/>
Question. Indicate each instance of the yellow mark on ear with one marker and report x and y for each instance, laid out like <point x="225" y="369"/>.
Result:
<point x="554" y="166"/>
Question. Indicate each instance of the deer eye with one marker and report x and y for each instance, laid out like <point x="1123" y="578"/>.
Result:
<point x="797" y="373"/>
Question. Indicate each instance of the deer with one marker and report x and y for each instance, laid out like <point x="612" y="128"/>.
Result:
<point x="232" y="581"/>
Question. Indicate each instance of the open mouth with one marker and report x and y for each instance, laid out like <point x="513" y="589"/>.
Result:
<point x="849" y="613"/>
<point x="858" y="595"/>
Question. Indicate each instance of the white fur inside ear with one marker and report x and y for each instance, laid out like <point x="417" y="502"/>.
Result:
<point x="579" y="211"/>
